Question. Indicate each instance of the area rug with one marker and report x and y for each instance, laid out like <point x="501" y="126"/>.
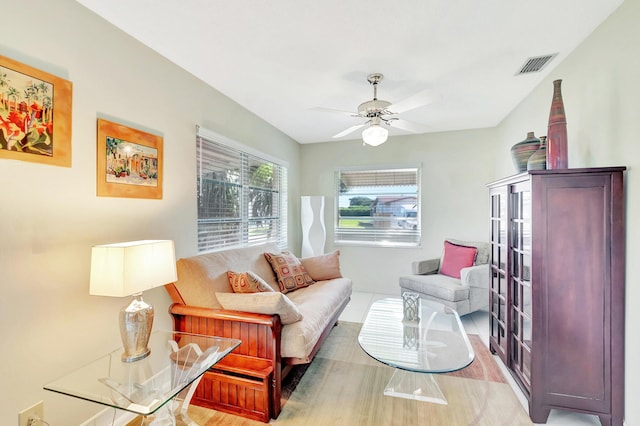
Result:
<point x="482" y="368"/>
<point x="344" y="386"/>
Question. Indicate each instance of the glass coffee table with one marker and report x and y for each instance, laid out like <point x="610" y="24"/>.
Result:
<point x="437" y="343"/>
<point x="158" y="387"/>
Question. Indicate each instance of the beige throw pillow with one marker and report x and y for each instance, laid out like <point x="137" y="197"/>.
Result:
<point x="323" y="267"/>
<point x="262" y="303"/>
<point x="289" y="271"/>
<point x="247" y="282"/>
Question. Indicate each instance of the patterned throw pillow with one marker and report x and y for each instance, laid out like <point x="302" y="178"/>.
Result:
<point x="247" y="282"/>
<point x="290" y="272"/>
<point x="455" y="258"/>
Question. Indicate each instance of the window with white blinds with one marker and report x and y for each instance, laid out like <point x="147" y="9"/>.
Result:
<point x="242" y="198"/>
<point x="378" y="206"/>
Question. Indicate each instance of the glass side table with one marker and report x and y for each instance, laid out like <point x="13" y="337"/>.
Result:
<point x="158" y="387"/>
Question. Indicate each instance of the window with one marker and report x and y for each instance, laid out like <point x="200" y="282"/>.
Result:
<point x="242" y="197"/>
<point x="378" y="206"/>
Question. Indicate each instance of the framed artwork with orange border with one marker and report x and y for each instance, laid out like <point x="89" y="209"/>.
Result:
<point x="35" y="115"/>
<point x="129" y="162"/>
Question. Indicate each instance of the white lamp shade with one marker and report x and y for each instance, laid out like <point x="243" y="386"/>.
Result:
<point x="123" y="269"/>
<point x="375" y="135"/>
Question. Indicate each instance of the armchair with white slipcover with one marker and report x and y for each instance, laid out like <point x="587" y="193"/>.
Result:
<point x="459" y="279"/>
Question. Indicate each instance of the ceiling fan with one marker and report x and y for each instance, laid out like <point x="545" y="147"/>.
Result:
<point x="378" y="112"/>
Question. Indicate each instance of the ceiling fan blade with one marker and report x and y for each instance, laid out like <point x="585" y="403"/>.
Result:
<point x="409" y="126"/>
<point x="349" y="130"/>
<point x="422" y="98"/>
<point x="336" y="111"/>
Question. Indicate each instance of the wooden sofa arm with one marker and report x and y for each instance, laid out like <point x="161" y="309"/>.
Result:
<point x="260" y="335"/>
<point x="248" y="317"/>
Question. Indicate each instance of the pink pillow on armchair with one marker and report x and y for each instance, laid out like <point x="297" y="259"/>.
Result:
<point x="455" y="258"/>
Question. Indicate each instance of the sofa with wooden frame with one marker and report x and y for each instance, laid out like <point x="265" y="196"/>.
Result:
<point x="248" y="382"/>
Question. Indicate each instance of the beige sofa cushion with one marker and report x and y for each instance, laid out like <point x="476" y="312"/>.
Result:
<point x="261" y="303"/>
<point x="200" y="277"/>
<point x="317" y="303"/>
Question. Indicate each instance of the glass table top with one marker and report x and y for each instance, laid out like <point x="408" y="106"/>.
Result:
<point x="437" y="343"/>
<point x="142" y="387"/>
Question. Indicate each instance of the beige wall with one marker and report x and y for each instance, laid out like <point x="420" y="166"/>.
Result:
<point x="454" y="200"/>
<point x="50" y="216"/>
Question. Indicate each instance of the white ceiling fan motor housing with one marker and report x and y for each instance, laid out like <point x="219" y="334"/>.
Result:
<point x="372" y="108"/>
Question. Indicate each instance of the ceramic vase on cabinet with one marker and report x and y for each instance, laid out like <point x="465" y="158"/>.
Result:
<point x="313" y="229"/>
<point x="538" y="160"/>
<point x="521" y="151"/>
<point x="557" y="154"/>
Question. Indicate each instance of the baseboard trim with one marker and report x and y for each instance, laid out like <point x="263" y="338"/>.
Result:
<point x="106" y="418"/>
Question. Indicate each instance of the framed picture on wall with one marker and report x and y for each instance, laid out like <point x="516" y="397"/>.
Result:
<point x="129" y="162"/>
<point x="35" y="115"/>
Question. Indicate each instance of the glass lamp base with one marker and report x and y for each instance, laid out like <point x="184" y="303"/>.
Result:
<point x="136" y="357"/>
<point x="136" y="320"/>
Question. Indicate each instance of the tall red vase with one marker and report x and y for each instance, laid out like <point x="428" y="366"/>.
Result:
<point x="557" y="155"/>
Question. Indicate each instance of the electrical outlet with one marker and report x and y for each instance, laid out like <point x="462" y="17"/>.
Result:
<point x="36" y="411"/>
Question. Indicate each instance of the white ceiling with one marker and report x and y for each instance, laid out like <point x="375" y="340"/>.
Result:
<point x="281" y="59"/>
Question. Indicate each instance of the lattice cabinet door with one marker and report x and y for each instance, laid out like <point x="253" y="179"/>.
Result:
<point x="498" y="271"/>
<point x="519" y="292"/>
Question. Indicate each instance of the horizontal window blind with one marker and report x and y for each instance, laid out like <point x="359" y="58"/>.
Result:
<point x="378" y="207"/>
<point x="241" y="198"/>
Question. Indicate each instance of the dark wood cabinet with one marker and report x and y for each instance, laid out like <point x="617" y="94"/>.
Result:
<point x="557" y="288"/>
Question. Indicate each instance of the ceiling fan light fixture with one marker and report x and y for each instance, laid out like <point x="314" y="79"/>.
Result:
<point x="375" y="135"/>
<point x="377" y="112"/>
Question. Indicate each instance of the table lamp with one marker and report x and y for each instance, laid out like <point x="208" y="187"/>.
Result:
<point x="128" y="269"/>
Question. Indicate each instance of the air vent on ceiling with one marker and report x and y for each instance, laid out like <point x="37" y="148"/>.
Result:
<point x="535" y="64"/>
